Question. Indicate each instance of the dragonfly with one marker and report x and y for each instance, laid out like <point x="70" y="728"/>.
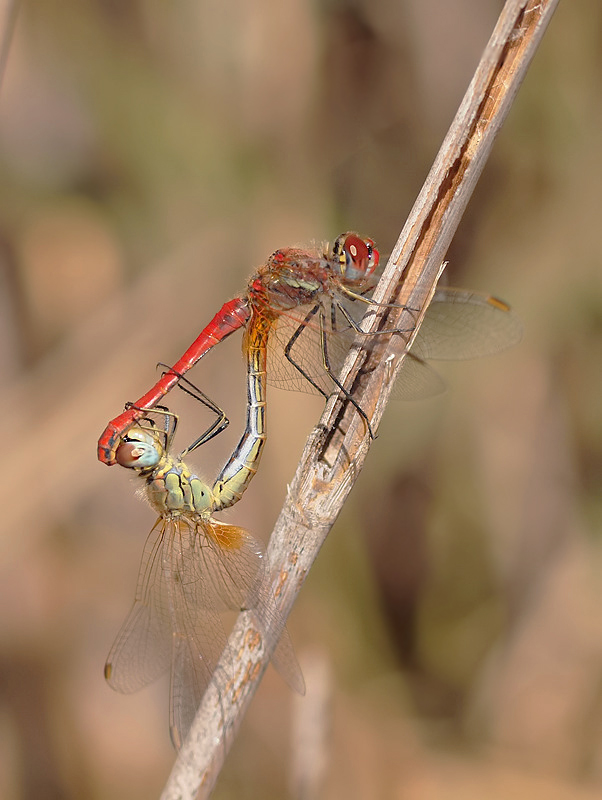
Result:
<point x="300" y="313"/>
<point x="193" y="568"/>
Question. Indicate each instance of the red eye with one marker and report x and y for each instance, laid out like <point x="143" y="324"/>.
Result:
<point x="361" y="257"/>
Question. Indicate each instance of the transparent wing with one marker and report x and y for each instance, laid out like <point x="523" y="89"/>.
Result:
<point x="284" y="659"/>
<point x="458" y="324"/>
<point x="198" y="636"/>
<point x="142" y="650"/>
<point x="417" y="380"/>
<point x="298" y="351"/>
<point x="173" y="624"/>
<point x="295" y="351"/>
<point x="185" y="688"/>
<point x="228" y="566"/>
<point x="236" y="565"/>
<point x="213" y="566"/>
<point x="191" y="570"/>
<point x="461" y="324"/>
<point x="309" y="349"/>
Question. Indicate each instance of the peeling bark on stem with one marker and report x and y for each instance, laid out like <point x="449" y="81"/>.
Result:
<point x="335" y="451"/>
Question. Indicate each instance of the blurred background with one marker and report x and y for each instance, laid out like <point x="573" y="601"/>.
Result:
<point x="151" y="156"/>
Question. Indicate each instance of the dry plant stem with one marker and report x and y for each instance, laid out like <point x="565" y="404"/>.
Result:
<point x="336" y="450"/>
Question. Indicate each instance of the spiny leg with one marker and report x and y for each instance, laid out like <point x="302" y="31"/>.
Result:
<point x="287" y="350"/>
<point x="335" y="380"/>
<point x="325" y="361"/>
<point x="356" y="327"/>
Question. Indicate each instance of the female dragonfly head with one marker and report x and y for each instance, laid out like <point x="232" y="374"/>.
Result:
<point x="356" y="258"/>
<point x="141" y="448"/>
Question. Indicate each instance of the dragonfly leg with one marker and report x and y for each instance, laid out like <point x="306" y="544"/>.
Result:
<point x="287" y="352"/>
<point x="356" y="327"/>
<point x="335" y="380"/>
<point x="169" y="426"/>
<point x="368" y="300"/>
<point x="220" y="424"/>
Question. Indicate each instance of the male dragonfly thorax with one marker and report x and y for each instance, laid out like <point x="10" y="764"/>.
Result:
<point x="293" y="277"/>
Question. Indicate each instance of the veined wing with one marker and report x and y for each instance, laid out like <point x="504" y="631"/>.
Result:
<point x="461" y="324"/>
<point x="198" y="636"/>
<point x="295" y="351"/>
<point x="284" y="659"/>
<point x="214" y="567"/>
<point x="227" y="567"/>
<point x="142" y="650"/>
<point x="173" y="624"/>
<point x="306" y="345"/>
<point x="300" y="349"/>
<point x="191" y="570"/>
<point x="458" y="324"/>
<point x="235" y="566"/>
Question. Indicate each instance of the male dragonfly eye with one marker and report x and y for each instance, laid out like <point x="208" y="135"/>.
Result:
<point x="361" y="257"/>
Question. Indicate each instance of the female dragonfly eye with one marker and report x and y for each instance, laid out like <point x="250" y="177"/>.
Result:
<point x="137" y="451"/>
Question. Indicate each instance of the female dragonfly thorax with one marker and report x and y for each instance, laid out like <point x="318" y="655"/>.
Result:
<point x="171" y="487"/>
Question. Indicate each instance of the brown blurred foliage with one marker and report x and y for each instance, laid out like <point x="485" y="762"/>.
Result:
<point x="151" y="155"/>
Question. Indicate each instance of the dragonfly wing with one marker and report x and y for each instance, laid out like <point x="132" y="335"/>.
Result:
<point x="284" y="660"/>
<point x="295" y="354"/>
<point x="198" y="637"/>
<point x="416" y="380"/>
<point x="232" y="564"/>
<point x="302" y="351"/>
<point x="142" y="650"/>
<point x="239" y="572"/>
<point x="194" y="660"/>
<point x="460" y="324"/>
<point x="189" y="679"/>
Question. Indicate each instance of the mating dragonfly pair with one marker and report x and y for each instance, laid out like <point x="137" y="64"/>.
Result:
<point x="300" y="313"/>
